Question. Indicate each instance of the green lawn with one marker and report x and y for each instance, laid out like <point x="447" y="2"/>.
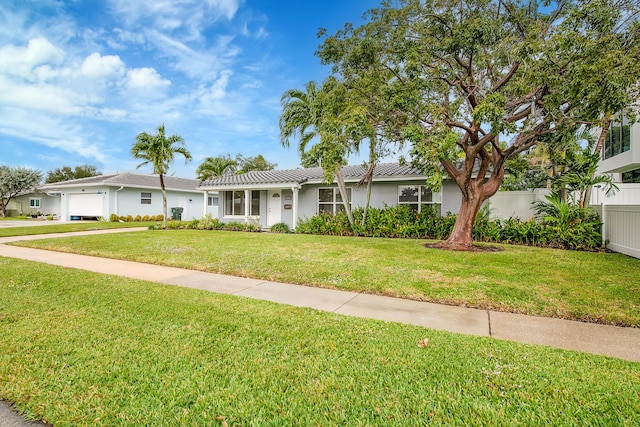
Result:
<point x="53" y="227"/>
<point x="597" y="287"/>
<point x="79" y="348"/>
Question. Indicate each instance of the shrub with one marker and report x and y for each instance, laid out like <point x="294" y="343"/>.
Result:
<point x="280" y="227"/>
<point x="208" y="223"/>
<point x="129" y="218"/>
<point x="138" y="218"/>
<point x="113" y="218"/>
<point x="145" y="218"/>
<point x="557" y="227"/>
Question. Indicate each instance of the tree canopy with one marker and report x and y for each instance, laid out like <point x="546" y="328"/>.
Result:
<point x="66" y="173"/>
<point x="15" y="181"/>
<point x="472" y="83"/>
<point x="257" y="163"/>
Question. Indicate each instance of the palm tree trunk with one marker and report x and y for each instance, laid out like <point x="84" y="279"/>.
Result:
<point x="164" y="202"/>
<point x="345" y="200"/>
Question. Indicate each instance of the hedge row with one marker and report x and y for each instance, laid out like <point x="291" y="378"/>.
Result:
<point x="402" y="222"/>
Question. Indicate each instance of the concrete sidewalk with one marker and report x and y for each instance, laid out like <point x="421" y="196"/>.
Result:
<point x="607" y="340"/>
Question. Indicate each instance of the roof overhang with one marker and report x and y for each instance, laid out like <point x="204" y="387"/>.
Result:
<point x="65" y="187"/>
<point x="248" y="186"/>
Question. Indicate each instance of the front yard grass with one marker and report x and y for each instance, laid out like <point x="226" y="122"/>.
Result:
<point x="594" y="287"/>
<point x="52" y="227"/>
<point x="79" y="348"/>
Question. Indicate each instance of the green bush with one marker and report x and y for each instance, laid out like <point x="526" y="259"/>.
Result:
<point x="113" y="218"/>
<point x="280" y="227"/>
<point x="145" y="218"/>
<point x="560" y="226"/>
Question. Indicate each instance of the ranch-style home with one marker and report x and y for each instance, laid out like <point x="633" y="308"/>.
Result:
<point x="270" y="197"/>
<point x="124" y="194"/>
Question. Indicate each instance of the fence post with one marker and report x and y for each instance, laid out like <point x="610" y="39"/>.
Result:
<point x="604" y="224"/>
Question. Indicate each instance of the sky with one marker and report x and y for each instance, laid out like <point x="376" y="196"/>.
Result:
<point x="79" y="79"/>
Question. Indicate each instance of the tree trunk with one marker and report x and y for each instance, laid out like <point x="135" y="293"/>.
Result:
<point x="345" y="200"/>
<point x="461" y="238"/>
<point x="474" y="192"/>
<point x="164" y="202"/>
<point x="367" y="203"/>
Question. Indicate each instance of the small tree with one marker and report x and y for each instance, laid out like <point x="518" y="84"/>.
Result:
<point x="314" y="114"/>
<point x="159" y="150"/>
<point x="215" y="167"/>
<point x="15" y="181"/>
<point x="66" y="173"/>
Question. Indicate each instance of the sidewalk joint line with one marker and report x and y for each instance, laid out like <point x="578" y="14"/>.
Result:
<point x="489" y="322"/>
<point x="346" y="302"/>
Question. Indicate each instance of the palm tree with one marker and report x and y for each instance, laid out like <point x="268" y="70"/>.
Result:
<point x="215" y="167"/>
<point x="159" y="150"/>
<point x="310" y="113"/>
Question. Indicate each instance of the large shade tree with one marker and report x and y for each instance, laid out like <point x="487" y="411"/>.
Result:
<point x="159" y="150"/>
<point x="472" y="83"/>
<point x="15" y="181"/>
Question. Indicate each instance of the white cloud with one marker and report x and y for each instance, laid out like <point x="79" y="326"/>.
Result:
<point x="188" y="17"/>
<point x="96" y="66"/>
<point x="52" y="132"/>
<point x="21" y="61"/>
<point x="145" y="79"/>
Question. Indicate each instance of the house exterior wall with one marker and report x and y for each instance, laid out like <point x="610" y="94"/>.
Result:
<point x="127" y="201"/>
<point x="49" y="205"/>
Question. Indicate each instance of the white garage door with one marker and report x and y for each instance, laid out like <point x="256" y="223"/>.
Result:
<point x="85" y="205"/>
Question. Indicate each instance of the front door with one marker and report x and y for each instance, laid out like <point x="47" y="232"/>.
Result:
<point x="274" y="207"/>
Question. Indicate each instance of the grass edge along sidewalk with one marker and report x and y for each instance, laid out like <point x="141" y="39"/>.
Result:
<point x="592" y="287"/>
<point x="113" y="351"/>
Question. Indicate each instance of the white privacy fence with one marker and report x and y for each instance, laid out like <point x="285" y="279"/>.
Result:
<point x="621" y="228"/>
<point x="620" y="212"/>
<point x="507" y="204"/>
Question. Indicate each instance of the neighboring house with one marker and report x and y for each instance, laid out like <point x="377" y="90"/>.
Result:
<point x="270" y="197"/>
<point x="126" y="194"/>
<point x="35" y="203"/>
<point x="620" y="210"/>
<point x="621" y="152"/>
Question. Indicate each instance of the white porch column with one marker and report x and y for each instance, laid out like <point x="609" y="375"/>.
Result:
<point x="295" y="206"/>
<point x="247" y="205"/>
<point x="206" y="199"/>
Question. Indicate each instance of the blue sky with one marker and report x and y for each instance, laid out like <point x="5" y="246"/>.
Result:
<point x="79" y="79"/>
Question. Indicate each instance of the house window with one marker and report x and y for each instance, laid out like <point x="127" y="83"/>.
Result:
<point x="234" y="203"/>
<point x="330" y="200"/>
<point x="631" y="177"/>
<point x="34" y="203"/>
<point x="417" y="196"/>
<point x="145" y="198"/>
<point x="212" y="201"/>
<point x="618" y="138"/>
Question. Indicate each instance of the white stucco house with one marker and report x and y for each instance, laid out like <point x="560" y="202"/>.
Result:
<point x="270" y="197"/>
<point x="124" y="194"/>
